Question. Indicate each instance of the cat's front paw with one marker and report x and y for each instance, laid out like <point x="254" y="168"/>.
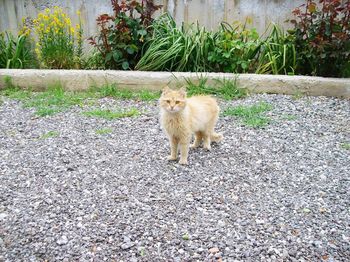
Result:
<point x="171" y="158"/>
<point x="193" y="146"/>
<point x="207" y="147"/>
<point x="183" y="162"/>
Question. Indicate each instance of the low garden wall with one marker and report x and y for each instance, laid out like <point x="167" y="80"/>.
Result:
<point x="78" y="80"/>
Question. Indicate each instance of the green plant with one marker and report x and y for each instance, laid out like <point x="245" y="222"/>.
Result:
<point x="226" y="89"/>
<point x="115" y="92"/>
<point x="322" y="38"/>
<point x="93" y="60"/>
<point x="235" y="49"/>
<point x="185" y="236"/>
<point x="58" y="46"/>
<point x="345" y="146"/>
<point x="16" y="52"/>
<point x="277" y="54"/>
<point x="54" y="100"/>
<point x="13" y="91"/>
<point x="289" y="117"/>
<point x="173" y="48"/>
<point x="122" y="36"/>
<point x="110" y="115"/>
<point x="50" y="134"/>
<point x="104" y="131"/>
<point x="251" y="115"/>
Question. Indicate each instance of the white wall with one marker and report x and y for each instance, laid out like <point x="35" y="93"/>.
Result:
<point x="208" y="12"/>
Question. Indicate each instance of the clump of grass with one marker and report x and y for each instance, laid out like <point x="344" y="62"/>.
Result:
<point x="103" y="131"/>
<point x="120" y="93"/>
<point x="226" y="88"/>
<point x="289" y="117"/>
<point x="251" y="115"/>
<point x="345" y="146"/>
<point x="185" y="236"/>
<point x="110" y="115"/>
<point x="54" y="100"/>
<point x="50" y="134"/>
<point x="14" y="92"/>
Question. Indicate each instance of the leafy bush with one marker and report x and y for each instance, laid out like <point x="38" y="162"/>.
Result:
<point x="122" y="36"/>
<point x="277" y="54"/>
<point x="235" y="49"/>
<point x="323" y="38"/>
<point x="16" y="51"/>
<point x="58" y="46"/>
<point x="173" y="48"/>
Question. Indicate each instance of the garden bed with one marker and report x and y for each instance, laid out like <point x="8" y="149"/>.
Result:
<point x="78" y="80"/>
<point x="91" y="182"/>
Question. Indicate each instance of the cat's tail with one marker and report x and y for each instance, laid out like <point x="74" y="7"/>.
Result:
<point x="215" y="137"/>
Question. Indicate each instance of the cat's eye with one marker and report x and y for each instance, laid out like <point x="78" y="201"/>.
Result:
<point x="168" y="101"/>
<point x="177" y="102"/>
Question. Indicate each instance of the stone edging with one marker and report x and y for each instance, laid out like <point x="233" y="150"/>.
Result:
<point x="134" y="80"/>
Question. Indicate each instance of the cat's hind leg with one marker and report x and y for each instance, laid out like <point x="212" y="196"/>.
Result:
<point x="198" y="136"/>
<point x="216" y="137"/>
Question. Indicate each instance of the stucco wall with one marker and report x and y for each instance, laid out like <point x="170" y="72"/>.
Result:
<point x="208" y="12"/>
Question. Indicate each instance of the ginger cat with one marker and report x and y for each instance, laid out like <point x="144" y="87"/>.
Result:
<point x="182" y="117"/>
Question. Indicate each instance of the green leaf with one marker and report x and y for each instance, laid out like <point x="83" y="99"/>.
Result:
<point x="109" y="57"/>
<point x="117" y="55"/>
<point x="244" y="65"/>
<point x="125" y="65"/>
<point x="142" y="32"/>
<point x="130" y="50"/>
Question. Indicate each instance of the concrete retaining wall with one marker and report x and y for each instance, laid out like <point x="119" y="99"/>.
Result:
<point x="135" y="80"/>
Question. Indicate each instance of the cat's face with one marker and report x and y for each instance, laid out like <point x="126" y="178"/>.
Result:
<point x="173" y="101"/>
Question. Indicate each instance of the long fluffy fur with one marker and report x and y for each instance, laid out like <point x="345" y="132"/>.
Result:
<point x="182" y="117"/>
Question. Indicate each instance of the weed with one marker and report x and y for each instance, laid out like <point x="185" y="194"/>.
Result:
<point x="49" y="134"/>
<point x="13" y="91"/>
<point x="54" y="100"/>
<point x="297" y="95"/>
<point x="110" y="115"/>
<point x="103" y="131"/>
<point x="345" y="146"/>
<point x="120" y="93"/>
<point x="251" y="115"/>
<point x="185" y="236"/>
<point x="288" y="117"/>
<point x="142" y="252"/>
<point x="226" y="89"/>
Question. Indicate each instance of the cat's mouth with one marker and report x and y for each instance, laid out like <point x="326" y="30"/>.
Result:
<point x="173" y="110"/>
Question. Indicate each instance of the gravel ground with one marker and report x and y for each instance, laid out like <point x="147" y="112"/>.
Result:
<point x="279" y="193"/>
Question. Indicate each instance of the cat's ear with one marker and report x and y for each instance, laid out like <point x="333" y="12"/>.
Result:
<point x="165" y="90"/>
<point x="182" y="91"/>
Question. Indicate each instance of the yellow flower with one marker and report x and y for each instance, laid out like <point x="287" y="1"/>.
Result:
<point x="47" y="11"/>
<point x="67" y="21"/>
<point x="77" y="26"/>
<point x="78" y="13"/>
<point x="72" y="30"/>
